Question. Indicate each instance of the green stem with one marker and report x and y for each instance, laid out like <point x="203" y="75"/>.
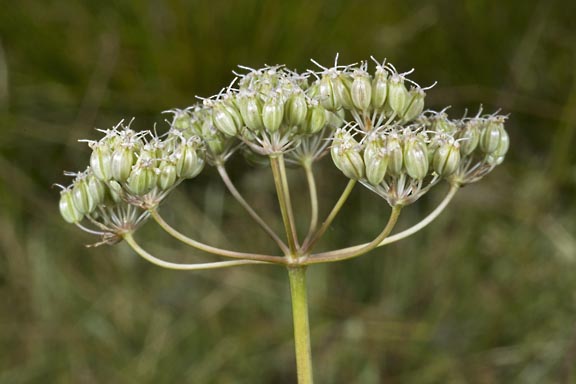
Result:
<point x="313" y="199"/>
<point x="281" y="183"/>
<point x="337" y="207"/>
<point x="183" y="267"/>
<point x="350" y="252"/>
<point x="208" y="248"/>
<point x="232" y="189"/>
<point x="298" y="293"/>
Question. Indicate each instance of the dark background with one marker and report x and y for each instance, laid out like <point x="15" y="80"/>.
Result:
<point x="486" y="294"/>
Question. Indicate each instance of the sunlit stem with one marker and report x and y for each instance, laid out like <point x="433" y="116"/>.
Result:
<point x="281" y="183"/>
<point x="427" y="220"/>
<point x="210" y="249"/>
<point x="313" y="199"/>
<point x="328" y="221"/>
<point x="184" y="267"/>
<point x="232" y="189"/>
<point x="350" y="252"/>
<point x="301" y="324"/>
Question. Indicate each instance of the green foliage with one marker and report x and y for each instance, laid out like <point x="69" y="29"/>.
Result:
<point x="486" y="294"/>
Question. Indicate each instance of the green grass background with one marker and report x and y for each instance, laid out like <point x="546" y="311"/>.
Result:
<point x="487" y="294"/>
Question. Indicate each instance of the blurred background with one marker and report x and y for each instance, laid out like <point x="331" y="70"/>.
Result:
<point x="486" y="294"/>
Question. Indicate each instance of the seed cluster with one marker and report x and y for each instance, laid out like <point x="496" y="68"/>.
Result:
<point x="374" y="124"/>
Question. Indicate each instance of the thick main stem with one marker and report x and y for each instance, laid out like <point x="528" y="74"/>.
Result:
<point x="298" y="293"/>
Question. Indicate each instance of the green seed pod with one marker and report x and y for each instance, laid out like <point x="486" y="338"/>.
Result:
<point x="81" y="197"/>
<point x="327" y="96"/>
<point x="341" y="86"/>
<point x="272" y="114"/>
<point x="295" y="109"/>
<point x="188" y="163"/>
<point x="223" y="120"/>
<point x="101" y="161"/>
<point x="469" y="137"/>
<point x="415" y="105"/>
<point x="67" y="208"/>
<point x="416" y="157"/>
<point x="167" y="174"/>
<point x="251" y="111"/>
<point x="379" y="88"/>
<point x="503" y="145"/>
<point x="446" y="159"/>
<point x="494" y="160"/>
<point x="361" y="91"/>
<point x="116" y="191"/>
<point x="490" y="136"/>
<point x="375" y="160"/>
<point x="316" y="119"/>
<point x="395" y="155"/>
<point x="336" y="119"/>
<point x="142" y="179"/>
<point x="397" y="94"/>
<point x="122" y="161"/>
<point x="346" y="156"/>
<point x="96" y="189"/>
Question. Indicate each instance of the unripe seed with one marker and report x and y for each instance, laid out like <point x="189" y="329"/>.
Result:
<point x="96" y="189"/>
<point x="295" y="109"/>
<point x="316" y="119"/>
<point x="346" y="156"/>
<point x="327" y="96"/>
<point x="397" y="94"/>
<point x="122" y="162"/>
<point x="361" y="91"/>
<point x="503" y="145"/>
<point x="395" y="155"/>
<point x="272" y="114"/>
<point x="251" y="111"/>
<point x="67" y="208"/>
<point x="224" y="121"/>
<point x="375" y="160"/>
<point x="101" y="162"/>
<point x="446" y="159"/>
<point x="81" y="197"/>
<point x="188" y="163"/>
<point x="379" y="89"/>
<point x="490" y="136"/>
<point x="167" y="175"/>
<point x="142" y="179"/>
<point x="470" y="137"/>
<point x="341" y="86"/>
<point x="416" y="158"/>
<point x="415" y="105"/>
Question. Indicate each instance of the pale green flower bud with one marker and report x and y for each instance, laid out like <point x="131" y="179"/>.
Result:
<point x="67" y="207"/>
<point x="167" y="174"/>
<point x="446" y="158"/>
<point x="295" y="109"/>
<point x="397" y="94"/>
<point x="491" y="135"/>
<point x="188" y="162"/>
<point x="181" y="121"/>
<point x="272" y="113"/>
<point x="469" y="137"/>
<point x="224" y="120"/>
<point x="316" y="118"/>
<point x="251" y="111"/>
<point x="395" y="155"/>
<point x="142" y="179"/>
<point x="415" y="105"/>
<point x="327" y="96"/>
<point x="416" y="157"/>
<point x="375" y="160"/>
<point x="361" y="90"/>
<point x="122" y="161"/>
<point x="379" y="88"/>
<point x="101" y="161"/>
